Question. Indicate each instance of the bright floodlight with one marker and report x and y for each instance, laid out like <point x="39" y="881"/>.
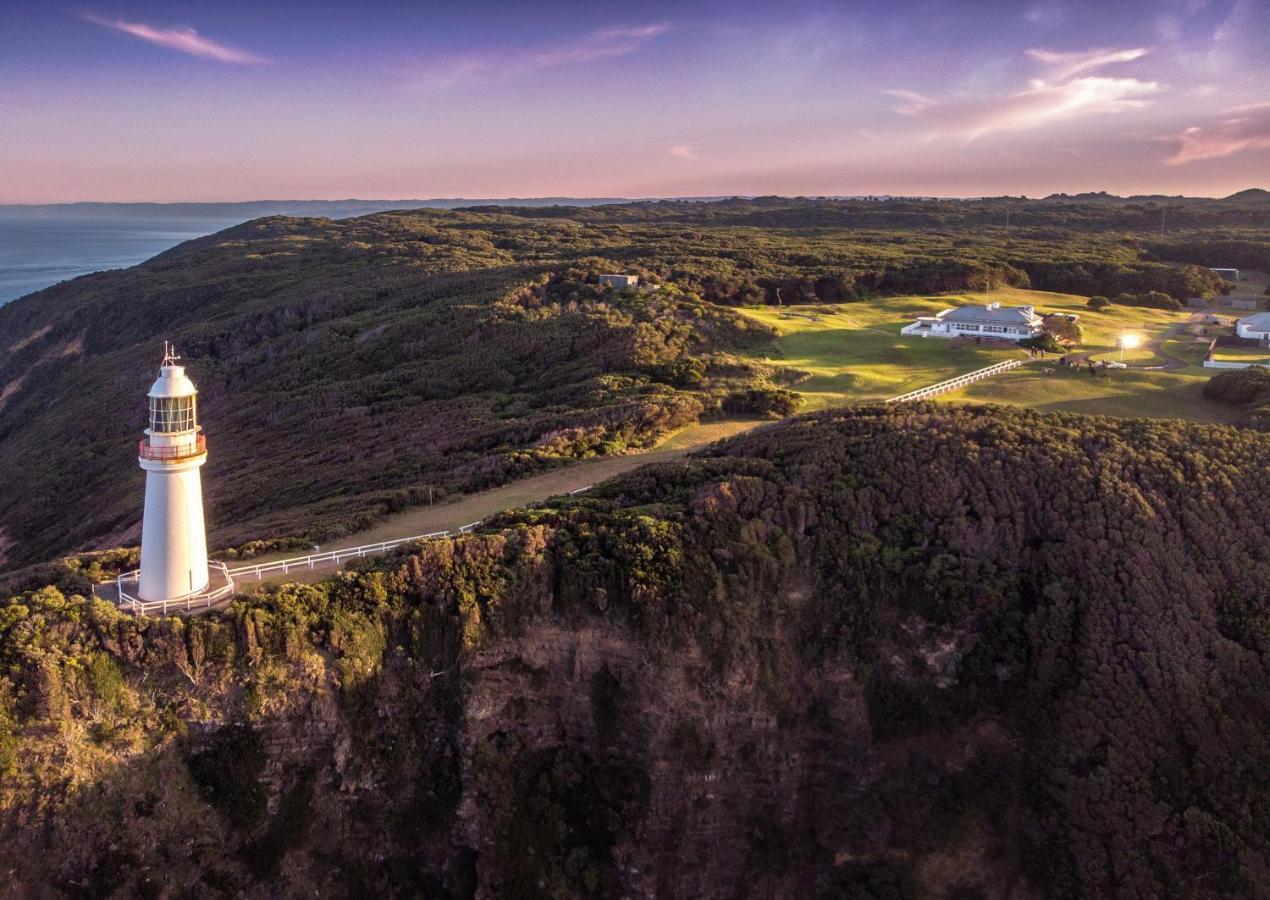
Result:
<point x="1130" y="341"/>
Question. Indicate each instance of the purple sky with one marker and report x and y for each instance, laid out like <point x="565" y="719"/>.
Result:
<point x="127" y="100"/>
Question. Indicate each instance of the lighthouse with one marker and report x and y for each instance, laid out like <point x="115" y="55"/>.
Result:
<point x="173" y="537"/>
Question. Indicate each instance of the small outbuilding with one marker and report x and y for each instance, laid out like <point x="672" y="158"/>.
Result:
<point x="620" y="281"/>
<point x="1255" y="328"/>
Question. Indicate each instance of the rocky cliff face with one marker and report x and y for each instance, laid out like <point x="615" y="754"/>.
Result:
<point x="933" y="653"/>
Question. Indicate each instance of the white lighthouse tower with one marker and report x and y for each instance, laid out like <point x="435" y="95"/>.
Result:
<point x="173" y="538"/>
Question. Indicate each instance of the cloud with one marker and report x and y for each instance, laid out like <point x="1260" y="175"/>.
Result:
<point x="1037" y="105"/>
<point x="683" y="151"/>
<point x="1045" y="15"/>
<point x="181" y="38"/>
<point x="484" y="67"/>
<point x="1067" y="64"/>
<point x="1059" y="97"/>
<point x="1245" y="128"/>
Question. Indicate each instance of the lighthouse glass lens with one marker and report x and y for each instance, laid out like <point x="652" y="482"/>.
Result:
<point x="168" y="414"/>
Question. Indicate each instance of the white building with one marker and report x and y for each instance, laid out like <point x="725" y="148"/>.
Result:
<point x="620" y="281"/>
<point x="1014" y="323"/>
<point x="175" y="572"/>
<point x="1255" y="328"/>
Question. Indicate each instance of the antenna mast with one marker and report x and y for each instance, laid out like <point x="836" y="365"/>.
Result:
<point x="169" y="354"/>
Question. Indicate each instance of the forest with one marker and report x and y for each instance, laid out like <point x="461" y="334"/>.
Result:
<point x="928" y="651"/>
<point x="349" y="369"/>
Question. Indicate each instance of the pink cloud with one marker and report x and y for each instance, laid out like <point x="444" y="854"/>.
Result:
<point x="1065" y="64"/>
<point x="180" y="38"/>
<point x="1059" y="97"/>
<point x="683" y="151"/>
<point x="1037" y="105"/>
<point x="1246" y="128"/>
<point x="478" y="68"/>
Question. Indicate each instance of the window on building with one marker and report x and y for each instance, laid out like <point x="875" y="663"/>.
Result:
<point x="168" y="414"/>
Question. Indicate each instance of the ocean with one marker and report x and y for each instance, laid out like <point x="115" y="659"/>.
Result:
<point x="37" y="251"/>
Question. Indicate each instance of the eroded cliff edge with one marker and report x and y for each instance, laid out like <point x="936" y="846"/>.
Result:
<point x="919" y="652"/>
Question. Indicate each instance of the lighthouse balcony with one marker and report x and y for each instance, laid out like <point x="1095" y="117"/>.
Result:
<point x="172" y="453"/>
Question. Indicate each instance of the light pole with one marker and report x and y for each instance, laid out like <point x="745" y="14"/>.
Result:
<point x="1131" y="341"/>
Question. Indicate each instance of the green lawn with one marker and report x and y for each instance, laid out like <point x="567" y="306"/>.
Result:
<point x="855" y="352"/>
<point x="1242" y="354"/>
<point x="1124" y="392"/>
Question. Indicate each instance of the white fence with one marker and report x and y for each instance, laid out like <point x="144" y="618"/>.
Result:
<point x="128" y="600"/>
<point x="335" y="557"/>
<point x="1231" y="364"/>
<point x="199" y="602"/>
<point x="952" y="384"/>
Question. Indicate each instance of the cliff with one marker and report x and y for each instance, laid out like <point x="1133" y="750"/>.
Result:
<point x="880" y="653"/>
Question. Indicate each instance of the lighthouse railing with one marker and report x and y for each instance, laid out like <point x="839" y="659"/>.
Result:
<point x="203" y="600"/>
<point x="173" y="453"/>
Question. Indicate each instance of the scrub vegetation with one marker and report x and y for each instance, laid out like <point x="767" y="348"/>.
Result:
<point x="929" y="651"/>
<point x="351" y="369"/>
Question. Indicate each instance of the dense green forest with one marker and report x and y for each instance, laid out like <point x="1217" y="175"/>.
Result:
<point x="351" y="368"/>
<point x="919" y="652"/>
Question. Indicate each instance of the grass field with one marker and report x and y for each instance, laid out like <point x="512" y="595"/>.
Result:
<point x="855" y="352"/>
<point x="1242" y="354"/>
<point x="1123" y="393"/>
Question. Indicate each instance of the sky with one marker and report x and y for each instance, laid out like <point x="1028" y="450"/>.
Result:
<point x="125" y="100"/>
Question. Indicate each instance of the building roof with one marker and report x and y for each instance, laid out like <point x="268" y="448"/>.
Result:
<point x="992" y="314"/>
<point x="1259" y="322"/>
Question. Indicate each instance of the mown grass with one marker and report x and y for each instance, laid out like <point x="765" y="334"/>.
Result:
<point x="855" y="352"/>
<point x="1122" y="393"/>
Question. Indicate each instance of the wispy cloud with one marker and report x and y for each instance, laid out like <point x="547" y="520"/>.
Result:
<point x="1059" y="97"/>
<point x="1045" y="14"/>
<point x="485" y="66"/>
<point x="1066" y="64"/>
<point x="180" y="38"/>
<point x="683" y="151"/>
<point x="1246" y="128"/>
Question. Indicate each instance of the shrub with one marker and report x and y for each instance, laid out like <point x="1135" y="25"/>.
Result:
<point x="1098" y="304"/>
<point x="1044" y="341"/>
<point x="772" y="402"/>
<point x="1239" y="387"/>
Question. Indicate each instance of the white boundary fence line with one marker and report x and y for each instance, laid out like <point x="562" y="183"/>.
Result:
<point x="285" y="566"/>
<point x="1231" y="364"/>
<point x="952" y="384"/>
<point x="312" y="561"/>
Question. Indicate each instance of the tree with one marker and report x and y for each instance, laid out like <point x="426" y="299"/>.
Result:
<point x="1044" y="342"/>
<point x="1239" y="387"/>
<point x="1098" y="304"/>
<point x="1061" y="328"/>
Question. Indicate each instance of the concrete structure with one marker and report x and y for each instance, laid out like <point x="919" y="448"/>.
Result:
<point x="173" y="539"/>
<point x="1014" y="323"/>
<point x="620" y="281"/>
<point x="1228" y="274"/>
<point x="1255" y="328"/>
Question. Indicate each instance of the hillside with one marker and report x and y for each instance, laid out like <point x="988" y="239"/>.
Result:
<point x="351" y="368"/>
<point x="920" y="652"/>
